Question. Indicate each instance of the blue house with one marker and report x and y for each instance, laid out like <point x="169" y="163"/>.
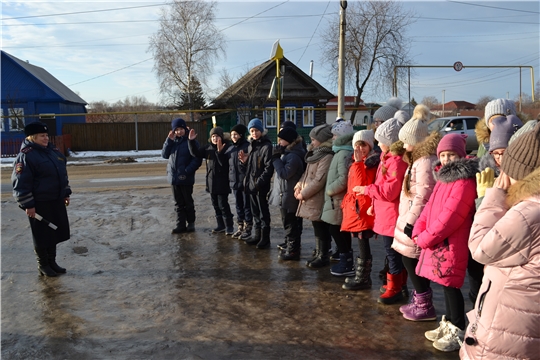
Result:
<point x="30" y="93"/>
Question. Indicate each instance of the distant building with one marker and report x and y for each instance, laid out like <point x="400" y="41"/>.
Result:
<point x="303" y="102"/>
<point x="451" y="108"/>
<point x="363" y="113"/>
<point x="29" y="94"/>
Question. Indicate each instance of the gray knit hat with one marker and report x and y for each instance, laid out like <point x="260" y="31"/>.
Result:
<point x="522" y="157"/>
<point x="402" y="117"/>
<point x="529" y="126"/>
<point x="321" y="133"/>
<point x="387" y="111"/>
<point x="503" y="129"/>
<point x="218" y="131"/>
<point x="388" y="132"/>
<point x="365" y="136"/>
<point x="499" y="107"/>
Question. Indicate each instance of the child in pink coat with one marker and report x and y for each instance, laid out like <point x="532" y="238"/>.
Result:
<point x="442" y="233"/>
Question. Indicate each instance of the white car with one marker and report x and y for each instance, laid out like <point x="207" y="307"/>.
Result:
<point x="457" y="125"/>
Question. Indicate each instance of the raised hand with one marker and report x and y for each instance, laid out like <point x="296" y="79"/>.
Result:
<point x="192" y="134"/>
<point x="484" y="180"/>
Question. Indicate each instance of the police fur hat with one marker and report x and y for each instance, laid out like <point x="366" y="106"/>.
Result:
<point x="35" y="128"/>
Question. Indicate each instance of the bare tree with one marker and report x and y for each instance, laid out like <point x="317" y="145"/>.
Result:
<point x="376" y="41"/>
<point x="187" y="44"/>
<point x="482" y="102"/>
<point x="429" y="101"/>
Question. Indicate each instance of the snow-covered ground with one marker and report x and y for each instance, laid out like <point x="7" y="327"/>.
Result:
<point x="96" y="157"/>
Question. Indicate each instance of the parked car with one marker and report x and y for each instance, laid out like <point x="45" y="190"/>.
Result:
<point x="457" y="125"/>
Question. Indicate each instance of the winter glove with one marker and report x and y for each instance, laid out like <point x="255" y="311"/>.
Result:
<point x="408" y="230"/>
<point x="278" y="151"/>
<point x="484" y="180"/>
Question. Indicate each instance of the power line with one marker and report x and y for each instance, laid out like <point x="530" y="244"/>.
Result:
<point x="83" y="12"/>
<point x="112" y="72"/>
<point x="314" y="31"/>
<point x="492" y="7"/>
<point x="251" y="17"/>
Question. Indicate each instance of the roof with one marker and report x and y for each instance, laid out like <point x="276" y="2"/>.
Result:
<point x="297" y="84"/>
<point x="456" y="104"/>
<point x="47" y="79"/>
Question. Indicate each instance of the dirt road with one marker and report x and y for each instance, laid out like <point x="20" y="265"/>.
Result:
<point x="134" y="291"/>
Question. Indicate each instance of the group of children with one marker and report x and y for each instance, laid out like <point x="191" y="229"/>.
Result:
<point x="417" y="192"/>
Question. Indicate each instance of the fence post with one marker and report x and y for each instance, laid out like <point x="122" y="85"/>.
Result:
<point x="136" y="134"/>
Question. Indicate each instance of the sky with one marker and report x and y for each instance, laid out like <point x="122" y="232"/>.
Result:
<point x="99" y="49"/>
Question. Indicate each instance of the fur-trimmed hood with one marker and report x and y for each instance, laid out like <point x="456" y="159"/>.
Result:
<point x="373" y="159"/>
<point x="427" y="147"/>
<point x="482" y="132"/>
<point x="464" y="168"/>
<point x="397" y="148"/>
<point x="525" y="188"/>
<point x="488" y="161"/>
<point x="343" y="140"/>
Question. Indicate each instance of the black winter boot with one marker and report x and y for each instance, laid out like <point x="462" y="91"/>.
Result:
<point x="254" y="240"/>
<point x="43" y="263"/>
<point x="51" y="256"/>
<point x="265" y="239"/>
<point x="180" y="221"/>
<point x="323" y="257"/>
<point x="362" y="279"/>
<point x="246" y="234"/>
<point x="220" y="225"/>
<point x="190" y="227"/>
<point x="229" y="226"/>
<point x="292" y="250"/>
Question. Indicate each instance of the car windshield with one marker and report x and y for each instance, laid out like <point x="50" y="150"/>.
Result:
<point x="437" y="125"/>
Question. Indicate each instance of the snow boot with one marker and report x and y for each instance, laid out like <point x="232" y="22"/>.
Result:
<point x="253" y="240"/>
<point x="190" y="227"/>
<point x="229" y="226"/>
<point x="362" y="278"/>
<point x="451" y="340"/>
<point x="43" y="263"/>
<point x="180" y="222"/>
<point x="393" y="292"/>
<point x="323" y="257"/>
<point x="246" y="234"/>
<point x="421" y="307"/>
<point x="264" y="243"/>
<point x="220" y="225"/>
<point x="404" y="288"/>
<point x="292" y="251"/>
<point x="345" y="267"/>
<point x="239" y="230"/>
<point x="51" y="256"/>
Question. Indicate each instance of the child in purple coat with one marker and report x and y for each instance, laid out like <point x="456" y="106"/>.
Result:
<point x="442" y="232"/>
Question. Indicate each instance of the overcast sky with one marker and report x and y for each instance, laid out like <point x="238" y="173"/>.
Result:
<point x="99" y="48"/>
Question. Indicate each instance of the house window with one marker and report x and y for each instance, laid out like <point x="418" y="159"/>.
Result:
<point x="290" y="114"/>
<point x="16" y="119"/>
<point x="2" y="123"/>
<point x="308" y="114"/>
<point x="270" y="117"/>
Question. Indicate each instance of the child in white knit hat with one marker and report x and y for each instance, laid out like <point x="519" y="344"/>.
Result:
<point x="355" y="207"/>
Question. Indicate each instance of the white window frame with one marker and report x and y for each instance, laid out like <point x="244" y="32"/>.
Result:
<point x="308" y="113"/>
<point x="3" y="120"/>
<point x="270" y="118"/>
<point x="14" y="113"/>
<point x="288" y="111"/>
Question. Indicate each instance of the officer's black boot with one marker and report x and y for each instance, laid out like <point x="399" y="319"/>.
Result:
<point x="43" y="263"/>
<point x="51" y="255"/>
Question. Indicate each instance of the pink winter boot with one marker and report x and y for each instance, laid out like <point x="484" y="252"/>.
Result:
<point x="421" y="307"/>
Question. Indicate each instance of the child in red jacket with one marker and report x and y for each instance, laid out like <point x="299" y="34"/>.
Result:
<point x="442" y="232"/>
<point x="355" y="206"/>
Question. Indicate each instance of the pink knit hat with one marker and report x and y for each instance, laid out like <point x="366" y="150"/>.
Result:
<point x="453" y="142"/>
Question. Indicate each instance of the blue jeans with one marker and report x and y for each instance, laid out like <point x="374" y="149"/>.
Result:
<point x="243" y="209"/>
<point x="394" y="258"/>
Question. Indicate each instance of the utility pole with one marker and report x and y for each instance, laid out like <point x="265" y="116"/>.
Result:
<point x="341" y="60"/>
<point x="443" y="103"/>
